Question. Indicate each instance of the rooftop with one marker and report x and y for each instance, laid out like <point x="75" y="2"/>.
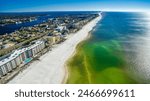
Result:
<point x="16" y="53"/>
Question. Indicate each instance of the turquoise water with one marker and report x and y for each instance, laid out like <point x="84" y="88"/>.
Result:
<point x="27" y="60"/>
<point x="117" y="52"/>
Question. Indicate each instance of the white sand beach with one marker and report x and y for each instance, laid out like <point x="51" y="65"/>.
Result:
<point x="50" y="69"/>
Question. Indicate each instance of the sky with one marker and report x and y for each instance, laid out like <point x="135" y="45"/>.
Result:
<point x="73" y="5"/>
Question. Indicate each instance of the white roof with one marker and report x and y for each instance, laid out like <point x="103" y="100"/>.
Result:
<point x="16" y="53"/>
<point x="36" y="44"/>
<point x="60" y="27"/>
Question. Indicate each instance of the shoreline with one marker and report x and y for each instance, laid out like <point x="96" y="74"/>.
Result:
<point x="65" y="65"/>
<point x="51" y="67"/>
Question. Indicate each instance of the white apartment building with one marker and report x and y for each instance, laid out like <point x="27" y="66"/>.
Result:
<point x="19" y="56"/>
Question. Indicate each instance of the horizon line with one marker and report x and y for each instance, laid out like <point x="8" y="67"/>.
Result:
<point x="75" y="11"/>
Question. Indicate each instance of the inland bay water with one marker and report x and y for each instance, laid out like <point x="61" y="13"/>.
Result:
<point x="118" y="51"/>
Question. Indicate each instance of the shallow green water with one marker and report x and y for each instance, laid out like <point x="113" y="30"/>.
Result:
<point x="98" y="62"/>
<point x="110" y="55"/>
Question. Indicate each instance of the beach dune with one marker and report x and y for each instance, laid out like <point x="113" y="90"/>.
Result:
<point x="50" y="69"/>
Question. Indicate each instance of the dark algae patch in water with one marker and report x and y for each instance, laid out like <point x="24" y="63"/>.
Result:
<point x="98" y="63"/>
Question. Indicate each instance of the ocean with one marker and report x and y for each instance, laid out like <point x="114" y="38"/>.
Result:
<point x="116" y="53"/>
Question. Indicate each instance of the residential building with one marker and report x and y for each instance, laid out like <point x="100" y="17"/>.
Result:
<point x="21" y="56"/>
